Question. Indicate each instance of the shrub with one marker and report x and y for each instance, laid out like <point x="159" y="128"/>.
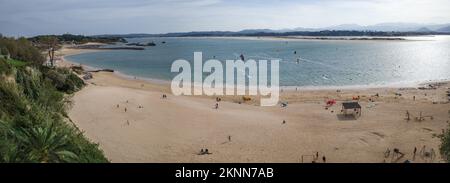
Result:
<point x="33" y="120"/>
<point x="21" y="49"/>
<point x="11" y="104"/>
<point x="5" y="68"/>
<point x="64" y="80"/>
<point x="445" y="145"/>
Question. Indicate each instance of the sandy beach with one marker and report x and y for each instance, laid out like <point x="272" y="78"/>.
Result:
<point x="133" y="123"/>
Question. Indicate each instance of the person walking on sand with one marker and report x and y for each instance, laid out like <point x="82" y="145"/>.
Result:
<point x="324" y="159"/>
<point x="117" y="106"/>
<point x="229" y="138"/>
<point x="125" y="109"/>
<point x="217" y="105"/>
<point x="414" y="153"/>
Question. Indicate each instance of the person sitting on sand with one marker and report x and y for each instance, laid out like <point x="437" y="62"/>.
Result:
<point x="284" y="122"/>
<point x="203" y="152"/>
<point x="397" y="151"/>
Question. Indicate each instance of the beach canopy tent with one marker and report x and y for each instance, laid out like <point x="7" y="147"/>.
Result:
<point x="354" y="107"/>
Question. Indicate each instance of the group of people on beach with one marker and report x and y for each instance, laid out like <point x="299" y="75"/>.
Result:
<point x="204" y="152"/>
<point x="316" y="157"/>
<point x="424" y="154"/>
<point x="126" y="109"/>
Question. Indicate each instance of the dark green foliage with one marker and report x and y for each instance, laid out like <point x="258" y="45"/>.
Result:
<point x="4" y="51"/>
<point x="29" y="85"/>
<point x="48" y="142"/>
<point x="5" y="68"/>
<point x="21" y="49"/>
<point x="445" y="145"/>
<point x="11" y="104"/>
<point x="64" y="80"/>
<point x="33" y="122"/>
<point x="77" y="39"/>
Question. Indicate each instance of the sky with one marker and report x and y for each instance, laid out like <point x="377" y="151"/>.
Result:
<point x="91" y="17"/>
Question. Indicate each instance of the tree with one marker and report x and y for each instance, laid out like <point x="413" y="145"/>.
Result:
<point x="50" y="42"/>
<point x="21" y="49"/>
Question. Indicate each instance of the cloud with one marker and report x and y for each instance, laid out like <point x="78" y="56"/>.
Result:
<point x="157" y="16"/>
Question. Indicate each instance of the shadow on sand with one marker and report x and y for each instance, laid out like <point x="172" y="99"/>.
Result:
<point x="343" y="117"/>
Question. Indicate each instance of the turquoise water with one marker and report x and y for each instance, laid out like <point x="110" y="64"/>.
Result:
<point x="322" y="63"/>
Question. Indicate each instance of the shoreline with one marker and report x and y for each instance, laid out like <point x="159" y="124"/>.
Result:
<point x="154" y="129"/>
<point x="394" y="85"/>
<point x="328" y="38"/>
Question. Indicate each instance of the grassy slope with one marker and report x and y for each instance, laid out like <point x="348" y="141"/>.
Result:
<point x="17" y="63"/>
<point x="34" y="126"/>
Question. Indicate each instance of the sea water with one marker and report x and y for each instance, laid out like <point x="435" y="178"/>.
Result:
<point x="304" y="63"/>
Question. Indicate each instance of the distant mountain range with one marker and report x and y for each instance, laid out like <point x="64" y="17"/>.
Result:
<point x="383" y="29"/>
<point x="444" y="29"/>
